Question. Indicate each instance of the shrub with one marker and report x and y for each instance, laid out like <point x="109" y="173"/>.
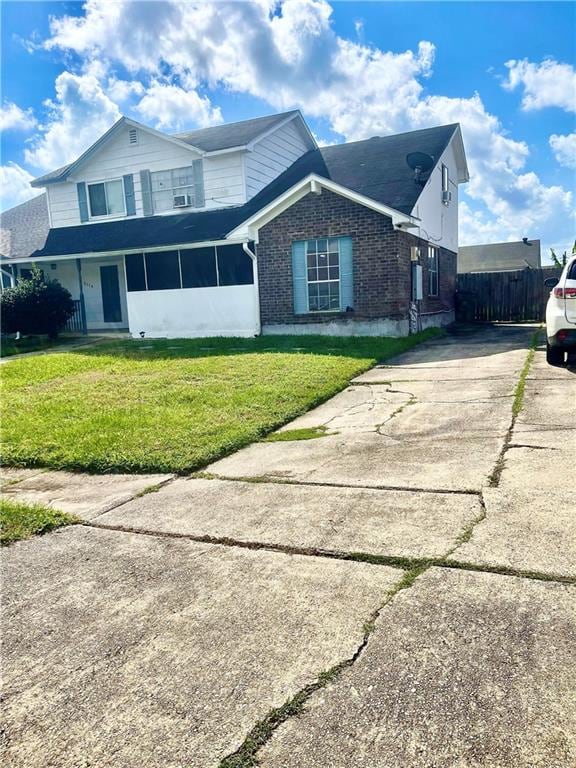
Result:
<point x="36" y="306"/>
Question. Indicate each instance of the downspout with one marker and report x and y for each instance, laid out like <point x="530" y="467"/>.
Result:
<point x="256" y="287"/>
<point x="82" y="303"/>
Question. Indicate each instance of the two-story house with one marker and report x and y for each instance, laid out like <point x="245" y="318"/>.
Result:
<point x="246" y="228"/>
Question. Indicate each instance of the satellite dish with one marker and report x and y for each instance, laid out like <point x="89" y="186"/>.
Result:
<point x="420" y="163"/>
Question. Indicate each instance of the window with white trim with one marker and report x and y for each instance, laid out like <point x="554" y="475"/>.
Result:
<point x="106" y="198"/>
<point x="173" y="189"/>
<point x="432" y="271"/>
<point x="323" y="274"/>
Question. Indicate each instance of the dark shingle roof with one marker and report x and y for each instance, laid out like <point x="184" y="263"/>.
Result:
<point x="375" y="168"/>
<point x="23" y="229"/>
<point x="231" y="134"/>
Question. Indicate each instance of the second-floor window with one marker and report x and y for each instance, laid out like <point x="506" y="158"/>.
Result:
<point x="173" y="189"/>
<point x="107" y="198"/>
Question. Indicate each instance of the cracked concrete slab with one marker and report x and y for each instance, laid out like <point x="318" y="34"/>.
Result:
<point x="344" y="520"/>
<point x="12" y="475"/>
<point x="450" y="446"/>
<point x="78" y="494"/>
<point x="357" y="408"/>
<point x="128" y="650"/>
<point x="524" y="531"/>
<point x="540" y="469"/>
<point x="463" y="670"/>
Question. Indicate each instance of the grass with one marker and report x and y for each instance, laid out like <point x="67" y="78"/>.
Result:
<point x="521" y="386"/>
<point x="172" y="406"/>
<point x="306" y="433"/>
<point x="20" y="521"/>
<point x="10" y="347"/>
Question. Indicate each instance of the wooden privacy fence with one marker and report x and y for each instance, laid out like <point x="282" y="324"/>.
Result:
<point x="512" y="296"/>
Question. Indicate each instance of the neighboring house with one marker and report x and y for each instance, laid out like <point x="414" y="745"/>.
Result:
<point x="499" y="257"/>
<point x="247" y="228"/>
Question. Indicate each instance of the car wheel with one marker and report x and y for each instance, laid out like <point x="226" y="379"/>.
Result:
<point x="554" y="355"/>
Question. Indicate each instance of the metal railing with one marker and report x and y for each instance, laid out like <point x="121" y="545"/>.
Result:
<point x="74" y="324"/>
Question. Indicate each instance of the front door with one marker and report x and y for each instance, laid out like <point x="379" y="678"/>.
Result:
<point x="110" y="284"/>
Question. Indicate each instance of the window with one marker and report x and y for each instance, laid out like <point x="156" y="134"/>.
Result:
<point x="135" y="274"/>
<point x="234" y="266"/>
<point x="432" y="271"/>
<point x="446" y="194"/>
<point x="162" y="270"/>
<point x="199" y="268"/>
<point x="107" y="198"/>
<point x="168" y="185"/>
<point x="323" y="274"/>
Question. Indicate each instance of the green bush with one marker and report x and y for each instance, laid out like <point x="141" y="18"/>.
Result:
<point x="36" y="306"/>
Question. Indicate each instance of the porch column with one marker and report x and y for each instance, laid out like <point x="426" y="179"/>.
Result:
<point x="82" y="303"/>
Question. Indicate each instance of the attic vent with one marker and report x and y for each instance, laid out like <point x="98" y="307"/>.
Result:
<point x="133" y="136"/>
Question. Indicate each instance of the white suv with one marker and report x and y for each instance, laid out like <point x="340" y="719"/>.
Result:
<point x="561" y="315"/>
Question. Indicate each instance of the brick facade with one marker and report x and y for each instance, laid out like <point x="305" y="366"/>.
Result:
<point x="381" y="257"/>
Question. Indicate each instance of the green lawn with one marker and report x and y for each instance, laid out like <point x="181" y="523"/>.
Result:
<point x="20" y="521"/>
<point x="10" y="346"/>
<point x="171" y="406"/>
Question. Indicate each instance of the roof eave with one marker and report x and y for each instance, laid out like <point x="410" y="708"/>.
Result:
<point x="315" y="183"/>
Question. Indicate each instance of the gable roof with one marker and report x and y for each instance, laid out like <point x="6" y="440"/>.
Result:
<point x="231" y="135"/>
<point x="23" y="229"/>
<point x="217" y="138"/>
<point x="499" y="257"/>
<point x="375" y="169"/>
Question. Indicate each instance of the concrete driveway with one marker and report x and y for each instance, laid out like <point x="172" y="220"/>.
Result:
<point x="398" y="593"/>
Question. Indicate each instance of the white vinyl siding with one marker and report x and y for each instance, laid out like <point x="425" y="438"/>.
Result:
<point x="223" y="174"/>
<point x="272" y="155"/>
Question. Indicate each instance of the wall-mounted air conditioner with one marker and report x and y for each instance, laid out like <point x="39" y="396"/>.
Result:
<point x="446" y="197"/>
<point x="181" y="201"/>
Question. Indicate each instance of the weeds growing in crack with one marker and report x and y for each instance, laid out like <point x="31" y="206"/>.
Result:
<point x="246" y="755"/>
<point x="306" y="433"/>
<point x="517" y="404"/>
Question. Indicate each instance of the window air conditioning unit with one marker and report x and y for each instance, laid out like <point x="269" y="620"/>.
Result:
<point x="182" y="201"/>
<point x="446" y="196"/>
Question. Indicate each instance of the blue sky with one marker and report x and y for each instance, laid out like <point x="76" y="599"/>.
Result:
<point x="504" y="70"/>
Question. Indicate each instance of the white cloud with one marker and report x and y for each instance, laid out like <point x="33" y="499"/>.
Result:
<point x="289" y="56"/>
<point x="170" y="107"/>
<point x="14" y="186"/>
<point x="548" y="84"/>
<point x="564" y="148"/>
<point x="13" y="118"/>
<point x="80" y="113"/>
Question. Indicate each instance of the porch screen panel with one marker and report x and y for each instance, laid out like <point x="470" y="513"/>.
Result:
<point x="198" y="267"/>
<point x="234" y="266"/>
<point x="162" y="270"/>
<point x="135" y="276"/>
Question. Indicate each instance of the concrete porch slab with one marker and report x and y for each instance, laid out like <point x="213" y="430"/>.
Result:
<point x="320" y="518"/>
<point x="78" y="494"/>
<point x="463" y="669"/>
<point x="526" y="531"/>
<point x="132" y="650"/>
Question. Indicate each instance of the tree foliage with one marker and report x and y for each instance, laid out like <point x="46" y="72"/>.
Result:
<point x="35" y="306"/>
<point x="561" y="261"/>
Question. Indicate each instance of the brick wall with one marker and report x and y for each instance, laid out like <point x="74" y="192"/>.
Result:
<point x="381" y="261"/>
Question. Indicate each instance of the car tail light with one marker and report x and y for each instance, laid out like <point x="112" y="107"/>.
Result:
<point x="562" y="335"/>
<point x="565" y="293"/>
